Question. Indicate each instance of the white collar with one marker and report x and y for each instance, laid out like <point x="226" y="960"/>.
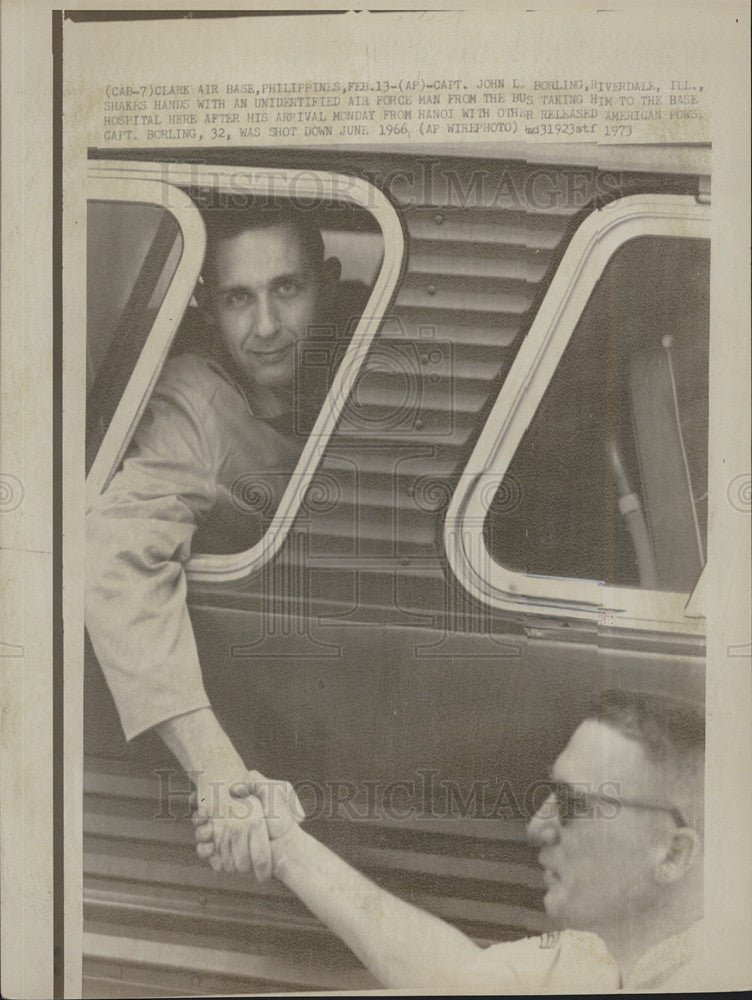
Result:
<point x="665" y="959"/>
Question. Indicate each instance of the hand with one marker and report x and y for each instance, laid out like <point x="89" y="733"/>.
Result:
<point x="282" y="812"/>
<point x="234" y="835"/>
<point x="282" y="808"/>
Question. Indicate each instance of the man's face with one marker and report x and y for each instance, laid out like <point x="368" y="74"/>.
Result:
<point x="599" y="869"/>
<point x="264" y="297"/>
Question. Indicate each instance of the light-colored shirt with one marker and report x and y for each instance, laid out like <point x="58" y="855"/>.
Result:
<point x="204" y="474"/>
<point x="579" y="962"/>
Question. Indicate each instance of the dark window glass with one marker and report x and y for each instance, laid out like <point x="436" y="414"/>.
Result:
<point x="133" y="251"/>
<point x="610" y="480"/>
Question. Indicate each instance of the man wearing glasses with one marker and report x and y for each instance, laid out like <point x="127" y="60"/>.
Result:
<point x="620" y="832"/>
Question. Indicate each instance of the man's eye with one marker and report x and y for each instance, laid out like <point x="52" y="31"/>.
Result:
<point x="237" y="297"/>
<point x="288" y="288"/>
<point x="580" y="805"/>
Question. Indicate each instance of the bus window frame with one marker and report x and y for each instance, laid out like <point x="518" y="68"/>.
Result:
<point x="307" y="187"/>
<point x="177" y="296"/>
<point x="594" y="243"/>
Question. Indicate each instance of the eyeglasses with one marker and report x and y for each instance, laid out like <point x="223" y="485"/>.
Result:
<point x="575" y="803"/>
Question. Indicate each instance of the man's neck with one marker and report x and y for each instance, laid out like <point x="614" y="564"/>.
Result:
<point x="629" y="941"/>
<point x="270" y="403"/>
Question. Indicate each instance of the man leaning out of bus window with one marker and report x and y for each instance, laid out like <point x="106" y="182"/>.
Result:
<point x="228" y="408"/>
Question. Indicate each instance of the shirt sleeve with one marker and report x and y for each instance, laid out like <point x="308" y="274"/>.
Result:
<point x="524" y="965"/>
<point x="556" y="962"/>
<point x="138" y="535"/>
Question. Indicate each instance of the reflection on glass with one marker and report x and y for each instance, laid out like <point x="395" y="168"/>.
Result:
<point x="133" y="251"/>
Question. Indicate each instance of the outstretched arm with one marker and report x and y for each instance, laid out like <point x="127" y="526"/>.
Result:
<point x="139" y="534"/>
<point x="402" y="946"/>
<point x="240" y="839"/>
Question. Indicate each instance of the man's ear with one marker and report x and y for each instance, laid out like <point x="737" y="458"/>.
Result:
<point x="204" y="303"/>
<point x="331" y="271"/>
<point x="676" y="860"/>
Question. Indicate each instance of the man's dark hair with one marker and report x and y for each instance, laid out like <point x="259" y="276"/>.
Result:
<point x="672" y="734"/>
<point x="664" y="726"/>
<point x="224" y="223"/>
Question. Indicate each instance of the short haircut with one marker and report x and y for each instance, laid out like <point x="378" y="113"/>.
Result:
<point x="226" y="223"/>
<point x="672" y="734"/>
<point x="665" y="727"/>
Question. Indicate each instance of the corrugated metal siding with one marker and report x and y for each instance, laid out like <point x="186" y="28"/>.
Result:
<point x="475" y="269"/>
<point x="159" y="920"/>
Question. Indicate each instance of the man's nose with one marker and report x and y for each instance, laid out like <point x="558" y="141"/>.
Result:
<point x="267" y="322"/>
<point x="544" y="827"/>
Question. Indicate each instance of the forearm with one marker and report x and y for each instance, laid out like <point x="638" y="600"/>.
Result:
<point x="202" y="747"/>
<point x="401" y="945"/>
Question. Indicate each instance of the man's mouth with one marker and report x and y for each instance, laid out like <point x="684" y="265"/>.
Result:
<point x="550" y="874"/>
<point x="270" y="357"/>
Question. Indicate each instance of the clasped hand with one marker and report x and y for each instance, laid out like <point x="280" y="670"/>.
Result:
<point x="236" y="829"/>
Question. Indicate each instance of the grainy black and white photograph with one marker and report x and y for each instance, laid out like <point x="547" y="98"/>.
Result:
<point x="377" y="510"/>
<point x="397" y="512"/>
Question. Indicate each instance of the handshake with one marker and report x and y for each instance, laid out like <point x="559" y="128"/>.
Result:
<point x="245" y="825"/>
